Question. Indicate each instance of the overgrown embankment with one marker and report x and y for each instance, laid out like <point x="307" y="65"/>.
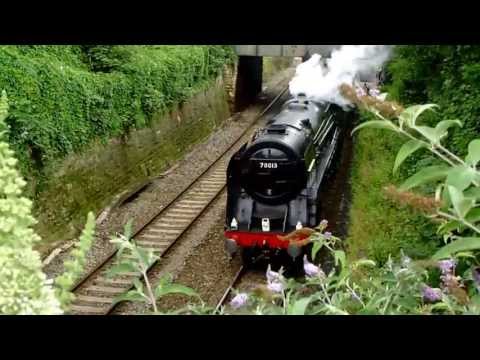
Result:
<point x="87" y="118"/>
<point x="378" y="226"/>
<point x="64" y="97"/>
<point x="445" y="75"/>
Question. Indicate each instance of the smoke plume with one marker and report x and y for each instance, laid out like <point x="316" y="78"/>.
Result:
<point x="319" y="79"/>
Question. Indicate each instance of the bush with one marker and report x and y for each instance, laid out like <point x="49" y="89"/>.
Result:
<point x="379" y="227"/>
<point x="442" y="74"/>
<point x="24" y="288"/>
<point x="447" y="75"/>
<point x="64" y="97"/>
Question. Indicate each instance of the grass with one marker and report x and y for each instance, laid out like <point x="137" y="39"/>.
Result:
<point x="379" y="227"/>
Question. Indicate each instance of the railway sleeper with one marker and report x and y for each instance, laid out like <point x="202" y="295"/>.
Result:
<point x="194" y="201"/>
<point x="186" y="210"/>
<point x="154" y="233"/>
<point x="92" y="299"/>
<point x="177" y="217"/>
<point x="191" y="206"/>
<point x="88" y="309"/>
<point x="207" y="186"/>
<point x="154" y="245"/>
<point x="106" y="289"/>
<point x="105" y="280"/>
<point x="169" y="224"/>
<point x="214" y="182"/>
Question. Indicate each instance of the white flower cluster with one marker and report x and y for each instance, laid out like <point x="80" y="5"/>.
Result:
<point x="23" y="288"/>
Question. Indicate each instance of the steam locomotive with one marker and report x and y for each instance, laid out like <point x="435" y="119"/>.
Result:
<point x="274" y="181"/>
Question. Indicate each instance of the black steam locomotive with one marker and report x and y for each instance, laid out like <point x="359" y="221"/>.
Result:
<point x="274" y="181"/>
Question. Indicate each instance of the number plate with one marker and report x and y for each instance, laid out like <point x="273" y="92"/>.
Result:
<point x="268" y="165"/>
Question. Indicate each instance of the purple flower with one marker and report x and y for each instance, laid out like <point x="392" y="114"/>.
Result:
<point x="239" y="300"/>
<point x="446" y="266"/>
<point x="274" y="280"/>
<point x="276" y="287"/>
<point x="360" y="92"/>
<point x="328" y="235"/>
<point x="273" y="276"/>
<point x="374" y="92"/>
<point x="324" y="223"/>
<point x="431" y="295"/>
<point x="311" y="270"/>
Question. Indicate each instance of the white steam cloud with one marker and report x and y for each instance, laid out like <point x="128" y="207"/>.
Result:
<point x="319" y="79"/>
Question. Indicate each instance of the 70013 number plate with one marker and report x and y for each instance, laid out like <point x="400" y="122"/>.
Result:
<point x="268" y="165"/>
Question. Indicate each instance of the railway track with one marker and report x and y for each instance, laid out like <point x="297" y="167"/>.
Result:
<point x="228" y="291"/>
<point x="95" y="293"/>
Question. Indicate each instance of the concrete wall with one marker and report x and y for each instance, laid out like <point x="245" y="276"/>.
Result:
<point x="90" y="181"/>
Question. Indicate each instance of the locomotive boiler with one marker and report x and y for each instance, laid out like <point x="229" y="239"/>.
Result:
<point x="274" y="180"/>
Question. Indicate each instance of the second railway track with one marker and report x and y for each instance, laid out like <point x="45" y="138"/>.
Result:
<point x="95" y="293"/>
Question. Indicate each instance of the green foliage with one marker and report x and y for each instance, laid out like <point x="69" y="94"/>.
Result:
<point x="105" y="58"/>
<point x="23" y="286"/>
<point x="64" y="97"/>
<point x="455" y="195"/>
<point x="447" y="75"/>
<point x="141" y="262"/>
<point x="74" y="266"/>
<point x="361" y="288"/>
<point x="379" y="227"/>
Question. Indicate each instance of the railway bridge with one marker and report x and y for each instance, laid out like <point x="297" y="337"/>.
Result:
<point x="250" y="65"/>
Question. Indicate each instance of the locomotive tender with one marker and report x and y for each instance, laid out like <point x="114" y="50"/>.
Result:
<point x="274" y="181"/>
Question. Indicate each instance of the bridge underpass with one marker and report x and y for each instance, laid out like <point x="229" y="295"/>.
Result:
<point x="250" y="66"/>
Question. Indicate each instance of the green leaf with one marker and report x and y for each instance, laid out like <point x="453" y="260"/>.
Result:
<point x="473" y="215"/>
<point x="473" y="193"/>
<point x="439" y="306"/>
<point x="459" y="245"/>
<point x="121" y="268"/>
<point x="145" y="256"/>
<point x="461" y="204"/>
<point x="405" y="151"/>
<point x="460" y="177"/>
<point x="442" y="127"/>
<point x="163" y="290"/>
<point x="132" y="295"/>
<point x="410" y="114"/>
<point x="375" y="124"/>
<point x="449" y="226"/>
<point x="317" y="245"/>
<point x="428" y="174"/>
<point x="428" y="132"/>
<point x="334" y="310"/>
<point x="473" y="156"/>
<point x="465" y="254"/>
<point x="364" y="262"/>
<point x="138" y="285"/>
<point x="127" y="232"/>
<point x="339" y="257"/>
<point x="476" y="299"/>
<point x="300" y="306"/>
